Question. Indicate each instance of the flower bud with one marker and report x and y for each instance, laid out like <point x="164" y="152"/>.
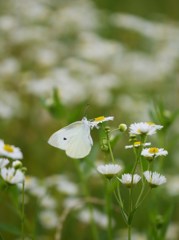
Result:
<point x="104" y="145"/>
<point x="122" y="127"/>
<point x="17" y="164"/>
<point x="107" y="129"/>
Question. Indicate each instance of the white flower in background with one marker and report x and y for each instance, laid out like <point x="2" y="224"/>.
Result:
<point x="3" y="162"/>
<point x="147" y="128"/>
<point x="172" y="185"/>
<point x="67" y="187"/>
<point x="101" y="119"/>
<point x="72" y="202"/>
<point x="109" y="170"/>
<point x="153" y="152"/>
<point x="10" y="151"/>
<point x="154" y="179"/>
<point x="35" y="187"/>
<point x="48" y="202"/>
<point x="12" y="175"/>
<point x="137" y="144"/>
<point x="129" y="179"/>
<point x="49" y="219"/>
<point x="99" y="218"/>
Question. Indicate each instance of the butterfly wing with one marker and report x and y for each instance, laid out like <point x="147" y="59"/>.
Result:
<point x="80" y="144"/>
<point x="75" y="139"/>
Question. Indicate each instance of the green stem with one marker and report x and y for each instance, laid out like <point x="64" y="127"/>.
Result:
<point x="108" y="209"/>
<point x="129" y="232"/>
<point x="22" y="210"/>
<point x="110" y="149"/>
<point x="121" y="205"/>
<point x="139" y="201"/>
<point x="86" y="194"/>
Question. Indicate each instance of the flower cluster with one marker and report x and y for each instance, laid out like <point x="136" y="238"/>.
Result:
<point x="148" y="180"/>
<point x="11" y="169"/>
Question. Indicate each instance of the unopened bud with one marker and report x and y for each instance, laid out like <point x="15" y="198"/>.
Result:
<point x="122" y="127"/>
<point x="107" y="129"/>
<point x="104" y="145"/>
<point x="17" y="164"/>
<point x="132" y="138"/>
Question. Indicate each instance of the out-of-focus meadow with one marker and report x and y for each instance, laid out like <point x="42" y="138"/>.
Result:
<point x="61" y="60"/>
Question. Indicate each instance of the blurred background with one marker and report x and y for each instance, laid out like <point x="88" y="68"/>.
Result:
<point x="120" y="58"/>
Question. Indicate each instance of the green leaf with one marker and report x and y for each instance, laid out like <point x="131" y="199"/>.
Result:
<point x="9" y="228"/>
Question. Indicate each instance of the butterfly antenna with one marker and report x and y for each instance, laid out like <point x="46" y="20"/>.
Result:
<point x="85" y="110"/>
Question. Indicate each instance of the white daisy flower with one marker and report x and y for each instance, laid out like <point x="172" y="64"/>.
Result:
<point x="154" y="179"/>
<point x="129" y="179"/>
<point x="153" y="152"/>
<point x="101" y="119"/>
<point x="3" y="162"/>
<point x="12" y="176"/>
<point x="10" y="151"/>
<point x="109" y="170"/>
<point x="137" y="144"/>
<point x="147" y="128"/>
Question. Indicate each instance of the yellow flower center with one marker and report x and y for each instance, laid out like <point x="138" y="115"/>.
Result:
<point x="8" y="148"/>
<point x="137" y="143"/>
<point x="98" y="119"/>
<point x="153" y="150"/>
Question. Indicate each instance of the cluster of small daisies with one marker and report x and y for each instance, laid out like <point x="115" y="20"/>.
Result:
<point x="11" y="168"/>
<point x="138" y="130"/>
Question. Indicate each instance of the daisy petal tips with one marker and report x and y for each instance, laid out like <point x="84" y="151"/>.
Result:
<point x="154" y="179"/>
<point x="109" y="170"/>
<point x="153" y="152"/>
<point x="10" y="151"/>
<point x="101" y="119"/>
<point x="147" y="128"/>
<point x="129" y="179"/>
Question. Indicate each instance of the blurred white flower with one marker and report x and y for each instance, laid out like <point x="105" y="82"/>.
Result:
<point x="154" y="179"/>
<point x="172" y="185"/>
<point x="10" y="151"/>
<point x="129" y="179"/>
<point x="48" y="202"/>
<point x="73" y="203"/>
<point x="99" y="218"/>
<point x="172" y="231"/>
<point x="67" y="187"/>
<point x="35" y="187"/>
<point x="147" y="128"/>
<point x="3" y="162"/>
<point x="109" y="170"/>
<point x="49" y="219"/>
<point x="12" y="175"/>
<point x="153" y="152"/>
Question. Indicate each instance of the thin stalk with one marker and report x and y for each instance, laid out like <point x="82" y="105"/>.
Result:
<point x="22" y="210"/>
<point x="121" y="205"/>
<point x="110" y="149"/>
<point x="86" y="194"/>
<point x="138" y="203"/>
<point x="108" y="209"/>
<point x="129" y="232"/>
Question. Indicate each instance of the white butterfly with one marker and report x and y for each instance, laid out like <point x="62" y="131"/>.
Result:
<point x="75" y="138"/>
